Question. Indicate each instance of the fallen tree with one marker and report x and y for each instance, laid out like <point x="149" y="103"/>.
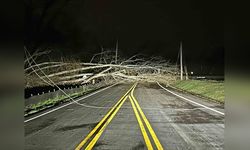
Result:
<point x="102" y="67"/>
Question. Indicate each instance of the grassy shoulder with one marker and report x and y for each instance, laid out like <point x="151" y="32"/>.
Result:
<point x="206" y="88"/>
<point x="34" y="108"/>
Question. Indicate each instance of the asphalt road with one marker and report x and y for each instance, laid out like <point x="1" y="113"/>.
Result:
<point x="127" y="116"/>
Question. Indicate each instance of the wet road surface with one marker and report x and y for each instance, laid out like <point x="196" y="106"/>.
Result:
<point x="130" y="116"/>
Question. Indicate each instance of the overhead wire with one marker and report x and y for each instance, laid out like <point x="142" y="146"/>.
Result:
<point x="54" y="84"/>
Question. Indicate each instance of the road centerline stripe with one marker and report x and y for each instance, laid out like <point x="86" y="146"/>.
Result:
<point x="143" y="130"/>
<point x="81" y="144"/>
<point x="151" y="131"/>
<point x="97" y="136"/>
<point x="84" y="97"/>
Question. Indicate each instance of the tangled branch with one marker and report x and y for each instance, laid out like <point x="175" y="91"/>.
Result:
<point x="102" y="68"/>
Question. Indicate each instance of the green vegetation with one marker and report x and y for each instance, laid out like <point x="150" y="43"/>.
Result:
<point x="33" y="108"/>
<point x="207" y="88"/>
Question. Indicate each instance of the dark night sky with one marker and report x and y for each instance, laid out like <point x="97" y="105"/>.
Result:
<point x="77" y="28"/>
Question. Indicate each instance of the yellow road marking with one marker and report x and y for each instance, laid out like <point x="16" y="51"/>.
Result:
<point x="100" y="123"/>
<point x="151" y="131"/>
<point x="94" y="140"/>
<point x="144" y="132"/>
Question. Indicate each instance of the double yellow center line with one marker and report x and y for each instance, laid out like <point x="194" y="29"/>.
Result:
<point x="95" y="134"/>
<point x="149" y="127"/>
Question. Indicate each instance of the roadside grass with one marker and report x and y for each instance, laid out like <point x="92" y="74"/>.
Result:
<point x="206" y="88"/>
<point x="34" y="108"/>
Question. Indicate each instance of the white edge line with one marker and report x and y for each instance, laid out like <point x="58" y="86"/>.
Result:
<point x="191" y="100"/>
<point x="69" y="103"/>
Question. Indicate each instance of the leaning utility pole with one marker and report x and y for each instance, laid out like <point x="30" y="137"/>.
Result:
<point x="116" y="51"/>
<point x="181" y="61"/>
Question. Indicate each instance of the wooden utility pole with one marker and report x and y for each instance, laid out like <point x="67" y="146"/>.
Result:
<point x="116" y="51"/>
<point x="101" y="55"/>
<point x="181" y="61"/>
<point x="186" y="72"/>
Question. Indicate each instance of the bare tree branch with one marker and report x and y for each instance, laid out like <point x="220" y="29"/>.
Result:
<point x="134" y="68"/>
